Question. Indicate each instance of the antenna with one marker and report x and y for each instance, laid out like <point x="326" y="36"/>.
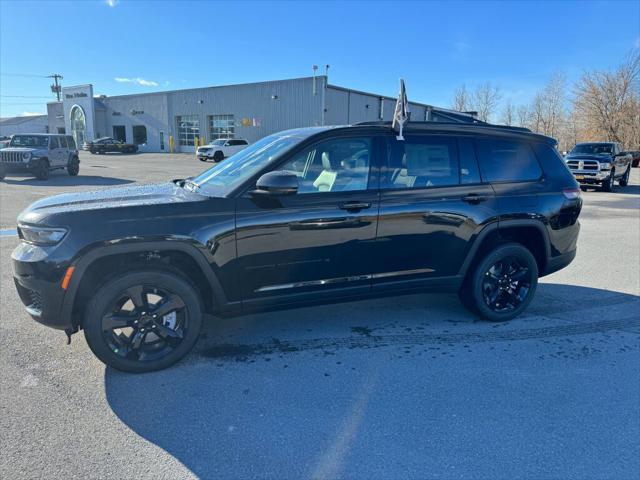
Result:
<point x="56" y="88"/>
<point x="326" y="71"/>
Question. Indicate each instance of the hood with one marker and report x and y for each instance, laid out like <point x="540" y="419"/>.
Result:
<point x="22" y="149"/>
<point x="604" y="157"/>
<point x="109" y="198"/>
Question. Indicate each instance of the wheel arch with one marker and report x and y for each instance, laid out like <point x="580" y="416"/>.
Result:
<point x="102" y="263"/>
<point x="530" y="233"/>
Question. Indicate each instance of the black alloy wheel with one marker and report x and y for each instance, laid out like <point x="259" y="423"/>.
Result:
<point x="218" y="156"/>
<point x="143" y="321"/>
<point x="502" y="284"/>
<point x="74" y="167"/>
<point x="505" y="285"/>
<point x="42" y="170"/>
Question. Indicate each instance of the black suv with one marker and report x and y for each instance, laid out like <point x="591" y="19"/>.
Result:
<point x="303" y="216"/>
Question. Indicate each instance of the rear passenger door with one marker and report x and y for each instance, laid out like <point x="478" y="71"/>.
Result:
<point x="512" y="169"/>
<point x="432" y="204"/>
<point x="55" y="152"/>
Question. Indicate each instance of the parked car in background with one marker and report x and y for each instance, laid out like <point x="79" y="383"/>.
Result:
<point x="635" y="158"/>
<point x="599" y="163"/>
<point x="108" y="144"/>
<point x="39" y="154"/>
<point x="316" y="214"/>
<point x="220" y="149"/>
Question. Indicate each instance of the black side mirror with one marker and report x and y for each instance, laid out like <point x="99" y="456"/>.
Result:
<point x="279" y="182"/>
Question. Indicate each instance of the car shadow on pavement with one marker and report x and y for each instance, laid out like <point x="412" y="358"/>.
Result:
<point x="369" y="388"/>
<point x="67" y="181"/>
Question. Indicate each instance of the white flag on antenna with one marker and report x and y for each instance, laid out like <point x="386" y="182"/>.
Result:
<point x="402" y="113"/>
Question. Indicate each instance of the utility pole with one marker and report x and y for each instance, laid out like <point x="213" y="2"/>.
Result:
<point x="56" y="88"/>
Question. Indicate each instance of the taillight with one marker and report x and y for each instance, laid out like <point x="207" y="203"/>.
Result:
<point x="571" y="193"/>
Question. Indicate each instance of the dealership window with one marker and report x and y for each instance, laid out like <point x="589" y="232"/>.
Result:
<point x="78" y="124"/>
<point x="139" y="134"/>
<point x="188" y="130"/>
<point x="221" y="126"/>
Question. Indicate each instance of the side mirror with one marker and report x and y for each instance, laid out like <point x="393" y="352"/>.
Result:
<point x="279" y="182"/>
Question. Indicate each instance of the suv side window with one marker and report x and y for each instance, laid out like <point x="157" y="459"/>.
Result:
<point x="507" y="161"/>
<point x="63" y="142"/>
<point x="71" y="143"/>
<point x="422" y="162"/>
<point x="338" y="165"/>
<point x="53" y="143"/>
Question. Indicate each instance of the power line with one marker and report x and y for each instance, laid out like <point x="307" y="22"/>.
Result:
<point x="25" y="96"/>
<point x="5" y="74"/>
<point x="24" y="103"/>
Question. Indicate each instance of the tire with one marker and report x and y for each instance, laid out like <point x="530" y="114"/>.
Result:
<point x="624" y="181"/>
<point x="487" y="292"/>
<point x="3" y="172"/>
<point x="42" y="170"/>
<point x="218" y="156"/>
<point x="607" y="184"/>
<point x="74" y="167"/>
<point x="136" y="341"/>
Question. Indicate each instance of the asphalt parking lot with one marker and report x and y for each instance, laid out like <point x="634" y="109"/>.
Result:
<point x="393" y="388"/>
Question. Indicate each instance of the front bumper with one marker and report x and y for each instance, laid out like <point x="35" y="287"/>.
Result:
<point x="591" y="176"/>
<point x="10" y="167"/>
<point x="38" y="282"/>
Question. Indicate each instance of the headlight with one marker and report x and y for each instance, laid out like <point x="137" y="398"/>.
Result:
<point x="26" y="156"/>
<point x="41" y="235"/>
<point x="605" y="166"/>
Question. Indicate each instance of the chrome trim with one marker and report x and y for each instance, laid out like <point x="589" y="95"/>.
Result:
<point x="354" y="278"/>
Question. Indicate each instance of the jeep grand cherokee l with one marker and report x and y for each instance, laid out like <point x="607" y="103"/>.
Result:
<point x="303" y="216"/>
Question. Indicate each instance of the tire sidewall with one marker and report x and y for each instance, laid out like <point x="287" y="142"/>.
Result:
<point x="503" y="251"/>
<point x="42" y="170"/>
<point x="74" y="167"/>
<point x="108" y="293"/>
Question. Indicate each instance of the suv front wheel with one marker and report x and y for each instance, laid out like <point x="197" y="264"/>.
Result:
<point x="42" y="170"/>
<point x="143" y="321"/>
<point x="502" y="284"/>
<point x="73" y="168"/>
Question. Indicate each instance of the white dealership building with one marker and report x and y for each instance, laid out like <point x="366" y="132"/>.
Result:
<point x="178" y="120"/>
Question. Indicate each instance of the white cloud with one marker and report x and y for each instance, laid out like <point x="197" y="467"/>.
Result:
<point x="30" y="114"/>
<point x="137" y="80"/>
<point x="111" y="3"/>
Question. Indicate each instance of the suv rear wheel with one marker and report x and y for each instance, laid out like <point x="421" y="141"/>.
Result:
<point x="42" y="170"/>
<point x="143" y="321"/>
<point x="73" y="168"/>
<point x="502" y="284"/>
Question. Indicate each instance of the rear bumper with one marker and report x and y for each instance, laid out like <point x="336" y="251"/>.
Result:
<point x="558" y="263"/>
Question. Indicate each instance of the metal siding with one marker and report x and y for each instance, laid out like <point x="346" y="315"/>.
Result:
<point x="363" y="108"/>
<point x="336" y="106"/>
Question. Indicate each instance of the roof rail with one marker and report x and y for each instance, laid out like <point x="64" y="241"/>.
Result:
<point x="474" y="122"/>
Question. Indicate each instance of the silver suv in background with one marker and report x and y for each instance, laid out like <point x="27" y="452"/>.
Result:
<point x="220" y="149"/>
<point x="39" y="154"/>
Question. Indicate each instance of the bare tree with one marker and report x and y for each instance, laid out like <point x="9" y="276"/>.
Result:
<point x="522" y="115"/>
<point x="609" y="103"/>
<point x="509" y="114"/>
<point x="461" y="99"/>
<point x="485" y="100"/>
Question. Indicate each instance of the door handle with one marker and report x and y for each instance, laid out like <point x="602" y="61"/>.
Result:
<point x="354" y="206"/>
<point x="474" y="198"/>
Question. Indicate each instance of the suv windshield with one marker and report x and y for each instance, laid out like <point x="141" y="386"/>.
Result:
<point x="224" y="177"/>
<point x="218" y="142"/>
<point x="33" y="141"/>
<point x="594" y="148"/>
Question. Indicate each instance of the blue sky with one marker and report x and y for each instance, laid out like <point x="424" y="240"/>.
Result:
<point x="126" y="46"/>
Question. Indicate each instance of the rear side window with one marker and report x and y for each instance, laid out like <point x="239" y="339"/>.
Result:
<point x="53" y="143"/>
<point x="422" y="162"/>
<point x="552" y="163"/>
<point x="71" y="143"/>
<point x="63" y="142"/>
<point x="507" y="161"/>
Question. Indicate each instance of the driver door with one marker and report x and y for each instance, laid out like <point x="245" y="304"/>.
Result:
<point x="318" y="242"/>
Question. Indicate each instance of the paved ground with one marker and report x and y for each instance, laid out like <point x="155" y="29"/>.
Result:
<point x="408" y="387"/>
